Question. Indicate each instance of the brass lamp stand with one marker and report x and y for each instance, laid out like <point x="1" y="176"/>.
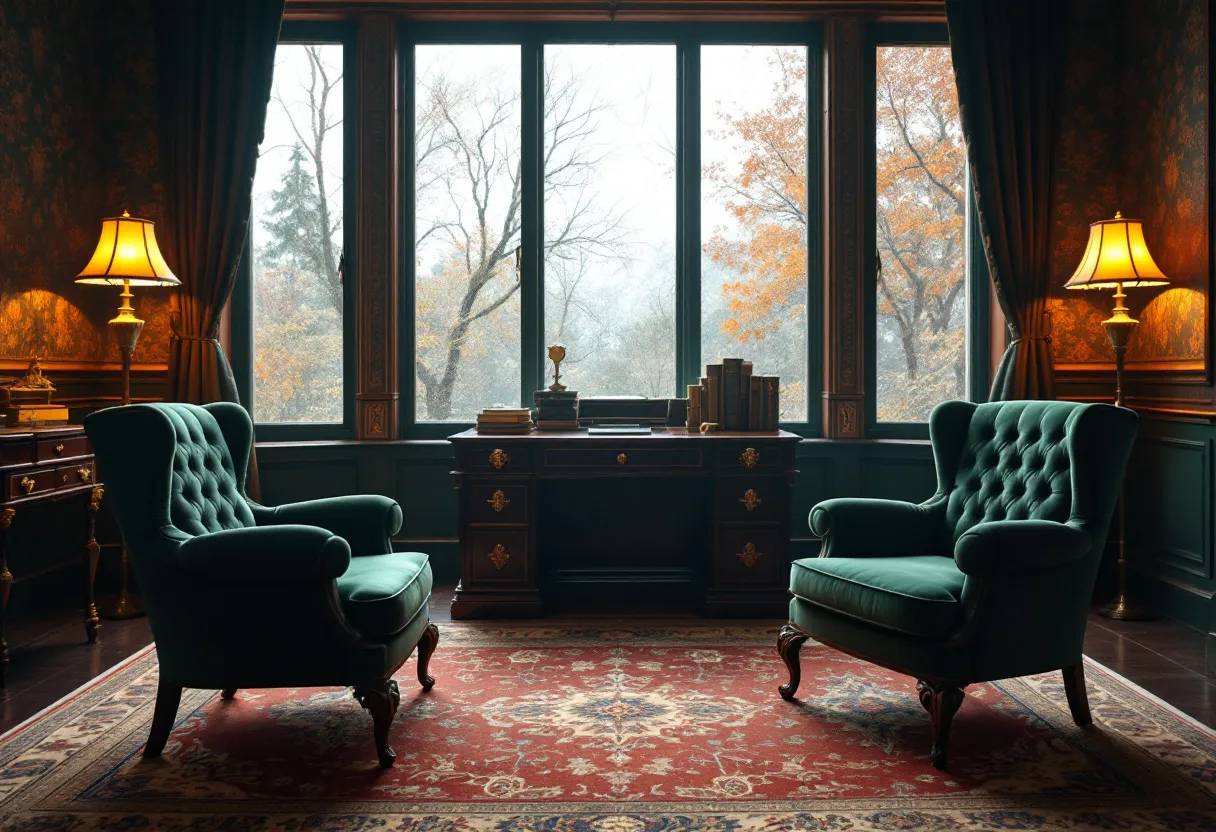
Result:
<point x="1119" y="328"/>
<point x="127" y="255"/>
<point x="1115" y="257"/>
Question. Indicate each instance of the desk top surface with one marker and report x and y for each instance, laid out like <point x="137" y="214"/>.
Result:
<point x="17" y="433"/>
<point x="656" y="435"/>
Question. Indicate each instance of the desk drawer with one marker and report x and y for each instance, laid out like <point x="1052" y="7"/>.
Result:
<point x="498" y="503"/>
<point x="751" y="499"/>
<point x="623" y="458"/>
<point x="756" y="456"/>
<point x="497" y="556"/>
<point x="501" y="459"/>
<point x="750" y="556"/>
<point x="62" y="448"/>
<point x="70" y="476"/>
<point x="31" y="482"/>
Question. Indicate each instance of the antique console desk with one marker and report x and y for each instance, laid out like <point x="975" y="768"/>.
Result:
<point x="40" y="465"/>
<point x="564" y="520"/>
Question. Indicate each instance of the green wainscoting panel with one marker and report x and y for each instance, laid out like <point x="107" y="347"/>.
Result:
<point x="1170" y="519"/>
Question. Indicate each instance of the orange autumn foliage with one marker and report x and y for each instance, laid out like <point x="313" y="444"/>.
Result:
<point x="767" y="197"/>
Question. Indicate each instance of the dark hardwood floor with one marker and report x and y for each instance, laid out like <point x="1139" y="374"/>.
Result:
<point x="50" y="658"/>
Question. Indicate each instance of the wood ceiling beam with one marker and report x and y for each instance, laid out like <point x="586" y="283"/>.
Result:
<point x="623" y="10"/>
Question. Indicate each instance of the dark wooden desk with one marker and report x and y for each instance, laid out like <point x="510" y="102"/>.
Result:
<point x="39" y="465"/>
<point x="561" y="520"/>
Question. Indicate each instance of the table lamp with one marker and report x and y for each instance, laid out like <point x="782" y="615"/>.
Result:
<point x="1117" y="258"/>
<point x="127" y="255"/>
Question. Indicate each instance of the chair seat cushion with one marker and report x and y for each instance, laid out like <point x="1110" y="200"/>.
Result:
<point x="380" y="594"/>
<point x="914" y="595"/>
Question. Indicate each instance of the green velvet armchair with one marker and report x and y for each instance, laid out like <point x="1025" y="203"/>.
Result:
<point x="240" y="595"/>
<point x="991" y="578"/>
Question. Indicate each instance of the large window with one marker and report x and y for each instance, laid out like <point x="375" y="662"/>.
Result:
<point x="467" y="229"/>
<point x="635" y="192"/>
<point x="292" y="318"/>
<point x="921" y="219"/>
<point x="610" y="215"/>
<point x="754" y="213"/>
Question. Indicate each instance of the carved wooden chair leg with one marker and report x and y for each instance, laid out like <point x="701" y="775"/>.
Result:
<point x="168" y="697"/>
<point x="381" y="700"/>
<point x="789" y="642"/>
<point x="942" y="701"/>
<point x="1078" y="700"/>
<point x="228" y="693"/>
<point x="426" y="646"/>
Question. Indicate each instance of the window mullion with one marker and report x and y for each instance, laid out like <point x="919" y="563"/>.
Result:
<point x="688" y="215"/>
<point x="532" y="226"/>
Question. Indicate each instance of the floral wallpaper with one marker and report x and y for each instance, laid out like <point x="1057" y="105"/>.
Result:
<point x="1134" y="139"/>
<point x="77" y="143"/>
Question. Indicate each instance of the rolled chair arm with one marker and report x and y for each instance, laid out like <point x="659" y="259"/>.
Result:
<point x="274" y="553"/>
<point x="1003" y="547"/>
<point x="855" y="527"/>
<point x="366" y="521"/>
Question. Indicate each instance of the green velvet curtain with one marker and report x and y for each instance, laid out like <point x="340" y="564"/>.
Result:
<point x="214" y="62"/>
<point x="1008" y="65"/>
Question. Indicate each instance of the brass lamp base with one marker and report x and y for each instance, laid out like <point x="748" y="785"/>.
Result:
<point x="122" y="608"/>
<point x="1125" y="609"/>
<point x="127" y="604"/>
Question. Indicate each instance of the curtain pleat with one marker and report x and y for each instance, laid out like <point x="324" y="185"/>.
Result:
<point x="215" y="64"/>
<point x="1008" y="64"/>
<point x="215" y="61"/>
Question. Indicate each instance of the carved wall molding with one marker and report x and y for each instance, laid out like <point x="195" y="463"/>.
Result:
<point x="377" y="271"/>
<point x="844" y="370"/>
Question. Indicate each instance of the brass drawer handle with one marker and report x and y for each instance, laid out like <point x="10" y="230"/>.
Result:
<point x="499" y="501"/>
<point x="750" y="499"/>
<point x="499" y="556"/>
<point x="499" y="458"/>
<point x="85" y="474"/>
<point x="749" y="458"/>
<point x="749" y="555"/>
<point x="27" y="484"/>
<point x="59" y="448"/>
<point x="621" y="459"/>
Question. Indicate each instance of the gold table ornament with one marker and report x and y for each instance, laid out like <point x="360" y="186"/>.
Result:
<point x="499" y="459"/>
<point x="749" y="555"/>
<point x="749" y="458"/>
<point x="27" y="484"/>
<point x="557" y="354"/>
<point x="499" y="556"/>
<point x="621" y="459"/>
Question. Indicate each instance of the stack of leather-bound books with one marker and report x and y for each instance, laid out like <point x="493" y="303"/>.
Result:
<point x="504" y="420"/>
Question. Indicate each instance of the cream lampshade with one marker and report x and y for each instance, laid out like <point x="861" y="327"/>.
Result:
<point x="127" y="255"/>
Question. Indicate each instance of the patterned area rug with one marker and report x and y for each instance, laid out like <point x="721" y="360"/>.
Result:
<point x="613" y="728"/>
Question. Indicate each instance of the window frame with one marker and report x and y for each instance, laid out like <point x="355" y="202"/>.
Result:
<point x="977" y="312"/>
<point x="687" y="39"/>
<point x="324" y="32"/>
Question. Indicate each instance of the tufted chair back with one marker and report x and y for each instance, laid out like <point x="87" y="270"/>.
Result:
<point x="203" y="495"/>
<point x="173" y="469"/>
<point x="1015" y="465"/>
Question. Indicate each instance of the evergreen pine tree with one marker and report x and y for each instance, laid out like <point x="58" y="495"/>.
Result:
<point x="293" y="223"/>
